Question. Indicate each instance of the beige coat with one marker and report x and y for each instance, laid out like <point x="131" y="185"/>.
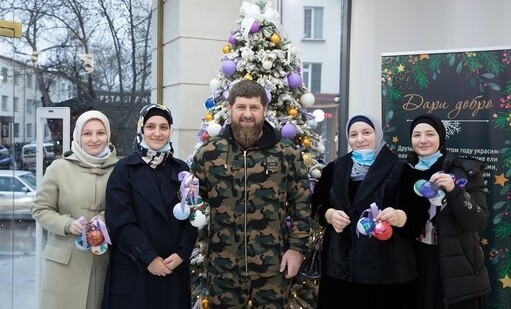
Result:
<point x="72" y="278"/>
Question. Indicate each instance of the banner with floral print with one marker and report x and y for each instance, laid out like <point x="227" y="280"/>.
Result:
<point x="470" y="91"/>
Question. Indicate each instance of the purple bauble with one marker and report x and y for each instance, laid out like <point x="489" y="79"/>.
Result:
<point x="233" y="40"/>
<point x="428" y="189"/>
<point x="289" y="130"/>
<point x="268" y="95"/>
<point x="294" y="80"/>
<point x="228" y="67"/>
<point x="255" y="27"/>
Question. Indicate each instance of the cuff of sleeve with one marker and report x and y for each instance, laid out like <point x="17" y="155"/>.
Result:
<point x="67" y="227"/>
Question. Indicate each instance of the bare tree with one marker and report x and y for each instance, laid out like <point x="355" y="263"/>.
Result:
<point x="116" y="32"/>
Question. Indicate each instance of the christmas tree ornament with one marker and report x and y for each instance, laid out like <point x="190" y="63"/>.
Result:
<point x="294" y="80"/>
<point x="306" y="142"/>
<point x="429" y="190"/>
<point x="293" y="112"/>
<point x="293" y="50"/>
<point x="204" y="137"/>
<point x="267" y="64"/>
<point x="248" y="76"/>
<point x="275" y="38"/>
<point x="209" y="103"/>
<point x="425" y="188"/>
<point x="99" y="250"/>
<point x="289" y="130"/>
<point x="307" y="99"/>
<point x="204" y="303"/>
<point x="247" y="54"/>
<point x="214" y="84"/>
<point x="315" y="173"/>
<point x="181" y="212"/>
<point x="80" y="244"/>
<point x="319" y="115"/>
<point x="94" y="234"/>
<point x="268" y="95"/>
<point x="213" y="128"/>
<point x="255" y="27"/>
<point x="307" y="159"/>
<point x="320" y="148"/>
<point x="382" y="230"/>
<point x="439" y="198"/>
<point x="226" y="49"/>
<point x="225" y="94"/>
<point x="312" y="123"/>
<point x="198" y="218"/>
<point x="209" y="117"/>
<point x="233" y="40"/>
<point x="228" y="67"/>
<point x="365" y="226"/>
<point x="417" y="186"/>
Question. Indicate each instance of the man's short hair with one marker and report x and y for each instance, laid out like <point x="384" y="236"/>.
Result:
<point x="247" y="89"/>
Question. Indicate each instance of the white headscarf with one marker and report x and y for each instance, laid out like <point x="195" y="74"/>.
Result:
<point x="76" y="144"/>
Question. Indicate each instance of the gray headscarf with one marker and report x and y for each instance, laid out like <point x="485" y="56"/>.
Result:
<point x="359" y="171"/>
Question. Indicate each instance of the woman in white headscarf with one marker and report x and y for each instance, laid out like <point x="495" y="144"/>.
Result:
<point x="71" y="194"/>
<point x="358" y="267"/>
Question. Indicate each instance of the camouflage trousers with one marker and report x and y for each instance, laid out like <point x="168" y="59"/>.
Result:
<point x="233" y="291"/>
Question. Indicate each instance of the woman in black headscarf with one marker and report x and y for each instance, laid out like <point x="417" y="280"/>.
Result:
<point x="356" y="268"/>
<point x="450" y="262"/>
<point x="151" y="248"/>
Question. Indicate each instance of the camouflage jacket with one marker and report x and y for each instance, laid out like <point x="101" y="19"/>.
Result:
<point x="250" y="194"/>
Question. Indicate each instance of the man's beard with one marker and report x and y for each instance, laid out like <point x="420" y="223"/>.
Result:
<point x="247" y="136"/>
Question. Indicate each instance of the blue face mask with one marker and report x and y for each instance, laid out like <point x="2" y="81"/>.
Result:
<point x="364" y="156"/>
<point x="426" y="162"/>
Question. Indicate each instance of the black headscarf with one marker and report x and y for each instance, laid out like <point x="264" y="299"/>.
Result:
<point x="433" y="121"/>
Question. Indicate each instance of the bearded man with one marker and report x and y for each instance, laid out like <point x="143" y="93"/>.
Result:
<point x="253" y="179"/>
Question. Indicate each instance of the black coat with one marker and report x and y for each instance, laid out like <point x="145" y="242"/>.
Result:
<point x="461" y="260"/>
<point x="363" y="259"/>
<point x="142" y="227"/>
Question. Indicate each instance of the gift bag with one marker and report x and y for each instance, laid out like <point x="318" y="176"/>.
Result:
<point x="311" y="265"/>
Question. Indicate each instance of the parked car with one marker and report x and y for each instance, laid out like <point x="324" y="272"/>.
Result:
<point x="4" y="150"/>
<point x="28" y="156"/>
<point x="5" y="161"/>
<point x="17" y="192"/>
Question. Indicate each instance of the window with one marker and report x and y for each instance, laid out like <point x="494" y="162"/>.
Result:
<point x="313" y="23"/>
<point x="16" y="104"/>
<point x="312" y="76"/>
<point x="30" y="106"/>
<point x="30" y="81"/>
<point x="3" y="75"/>
<point x="16" y="130"/>
<point x="17" y="78"/>
<point x="5" y="106"/>
<point x="29" y="130"/>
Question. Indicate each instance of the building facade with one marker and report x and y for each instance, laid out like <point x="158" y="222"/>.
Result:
<point x="314" y="28"/>
<point x="20" y="97"/>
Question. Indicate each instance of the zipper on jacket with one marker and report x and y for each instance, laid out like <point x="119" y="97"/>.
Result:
<point x="245" y="204"/>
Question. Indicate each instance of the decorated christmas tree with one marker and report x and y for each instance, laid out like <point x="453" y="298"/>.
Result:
<point x="258" y="50"/>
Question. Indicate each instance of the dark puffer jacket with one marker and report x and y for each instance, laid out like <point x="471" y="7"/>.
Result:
<point x="462" y="268"/>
